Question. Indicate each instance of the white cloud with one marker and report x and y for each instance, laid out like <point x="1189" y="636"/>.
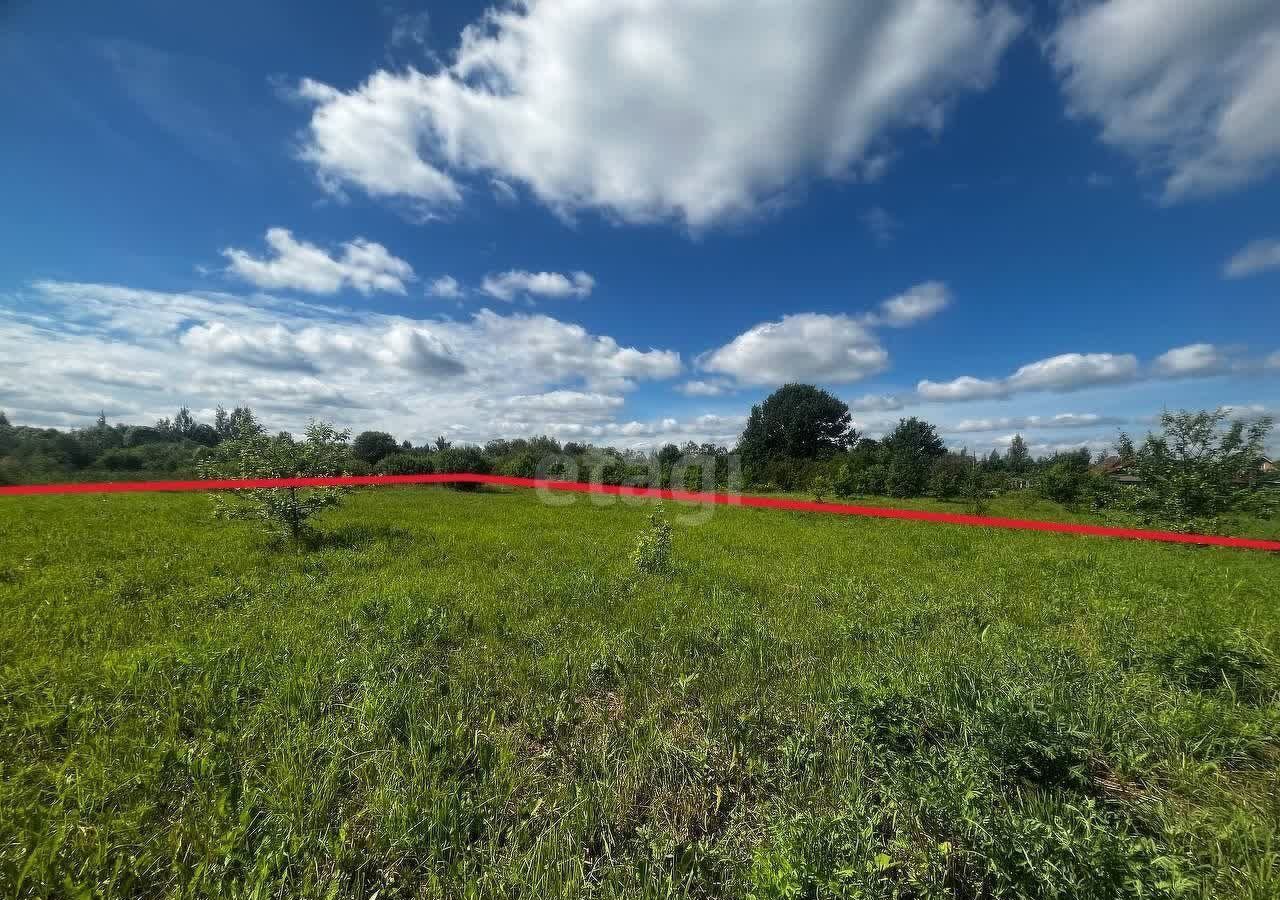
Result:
<point x="921" y="302"/>
<point x="1066" y="372"/>
<point x="835" y="349"/>
<point x="1070" y="371"/>
<point x="1273" y="361"/>
<point x="1193" y="359"/>
<point x="446" y="287"/>
<point x="364" y="265"/>
<point x="509" y="285"/>
<point x="877" y="403"/>
<point x="1062" y="420"/>
<point x="141" y="354"/>
<point x="566" y="401"/>
<point x="803" y="347"/>
<point x="966" y="387"/>
<point x="712" y="387"/>
<point x="1192" y="88"/>
<point x="1255" y="257"/>
<point x="697" y="110"/>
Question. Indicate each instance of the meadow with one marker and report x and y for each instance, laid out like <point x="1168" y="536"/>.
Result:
<point x="464" y="695"/>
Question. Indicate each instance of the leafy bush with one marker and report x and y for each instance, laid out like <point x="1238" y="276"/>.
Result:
<point x="411" y="463"/>
<point x="845" y="484"/>
<point x="821" y="488"/>
<point x="1198" y="473"/>
<point x="652" y="553"/>
<point x="1061" y="483"/>
<point x="462" y="459"/>
<point x="282" y="512"/>
<point x="947" y="475"/>
<point x="873" y="479"/>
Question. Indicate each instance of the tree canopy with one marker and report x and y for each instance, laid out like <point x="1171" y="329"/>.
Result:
<point x="799" y="422"/>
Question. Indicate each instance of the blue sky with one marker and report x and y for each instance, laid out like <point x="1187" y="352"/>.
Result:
<point x="627" y="223"/>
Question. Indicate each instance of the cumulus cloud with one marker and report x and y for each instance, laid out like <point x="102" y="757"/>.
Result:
<point x="701" y="111"/>
<point x="1071" y="371"/>
<point x="446" y="287"/>
<point x="803" y="347"/>
<point x="921" y="302"/>
<point x="1193" y="359"/>
<point x="144" y="353"/>
<point x="1258" y="256"/>
<point x="508" y="286"/>
<point x="1191" y="89"/>
<point x="363" y="265"/>
<point x="835" y="349"/>
<point x="1066" y="372"/>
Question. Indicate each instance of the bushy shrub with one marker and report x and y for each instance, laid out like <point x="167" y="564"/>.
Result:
<point x="652" y="553"/>
<point x="523" y="464"/>
<point x="821" y="488"/>
<point x="845" y="484"/>
<point x="411" y="463"/>
<point x="905" y="478"/>
<point x="1061" y="483"/>
<point x="462" y="459"/>
<point x="281" y="511"/>
<point x="1199" y="473"/>
<point x="872" y="480"/>
<point x="947" y="475"/>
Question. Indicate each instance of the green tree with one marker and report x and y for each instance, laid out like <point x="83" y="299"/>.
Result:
<point x="183" y="422"/>
<point x="1200" y="471"/>
<point x="4" y="420"/>
<point x="284" y="512"/>
<point x="795" y="422"/>
<point x="1018" y="459"/>
<point x="910" y="450"/>
<point x="372" y="446"/>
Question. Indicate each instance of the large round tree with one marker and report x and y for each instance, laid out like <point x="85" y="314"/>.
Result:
<point x="796" y="422"/>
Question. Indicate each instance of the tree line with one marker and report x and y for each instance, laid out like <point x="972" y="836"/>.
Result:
<point x="800" y="438"/>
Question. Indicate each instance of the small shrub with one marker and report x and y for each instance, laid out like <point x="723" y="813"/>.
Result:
<point x="282" y="512"/>
<point x="653" y="550"/>
<point x="821" y="487"/>
<point x="846" y="481"/>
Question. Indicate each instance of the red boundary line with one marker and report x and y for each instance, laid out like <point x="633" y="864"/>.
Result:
<point x="111" y="487"/>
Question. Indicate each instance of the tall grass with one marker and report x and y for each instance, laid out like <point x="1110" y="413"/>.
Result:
<point x="475" y="695"/>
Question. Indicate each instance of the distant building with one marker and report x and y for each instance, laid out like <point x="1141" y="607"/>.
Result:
<point x="1118" y="470"/>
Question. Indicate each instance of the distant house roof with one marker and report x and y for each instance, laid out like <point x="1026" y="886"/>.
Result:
<point x="1116" y="469"/>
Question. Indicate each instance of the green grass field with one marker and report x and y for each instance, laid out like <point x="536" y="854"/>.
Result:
<point x="476" y="695"/>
